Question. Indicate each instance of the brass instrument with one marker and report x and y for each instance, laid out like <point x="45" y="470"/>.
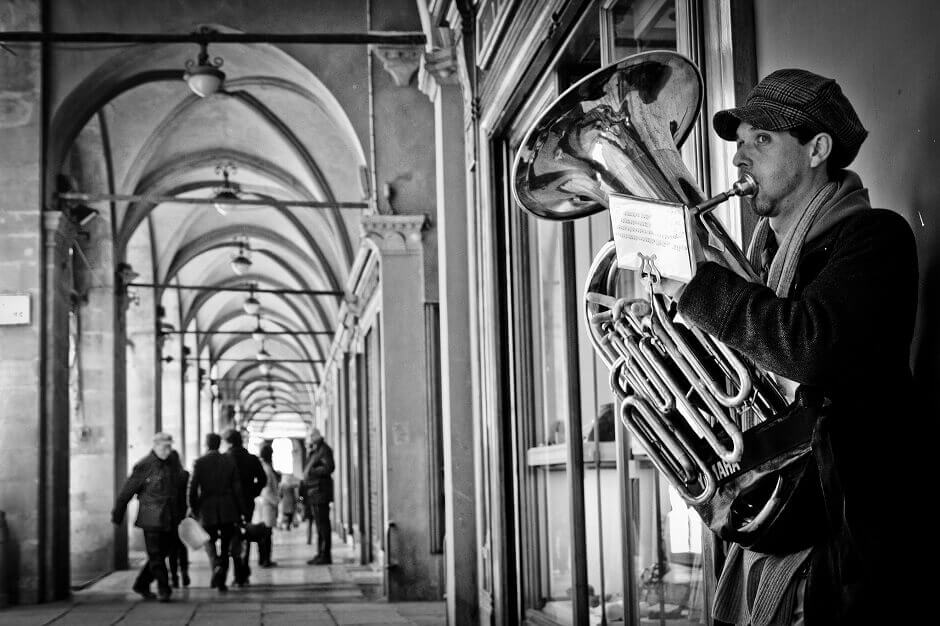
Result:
<point x="712" y="423"/>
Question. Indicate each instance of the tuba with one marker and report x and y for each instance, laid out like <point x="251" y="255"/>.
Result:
<point x="712" y="423"/>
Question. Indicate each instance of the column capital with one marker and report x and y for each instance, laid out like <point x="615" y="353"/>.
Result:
<point x="401" y="62"/>
<point x="439" y="66"/>
<point x="395" y="234"/>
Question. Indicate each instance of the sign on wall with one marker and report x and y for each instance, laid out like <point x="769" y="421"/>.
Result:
<point x="14" y="309"/>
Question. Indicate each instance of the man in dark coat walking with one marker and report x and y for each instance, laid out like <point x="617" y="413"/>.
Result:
<point x="253" y="480"/>
<point x="318" y="487"/>
<point x="215" y="498"/>
<point x="154" y="481"/>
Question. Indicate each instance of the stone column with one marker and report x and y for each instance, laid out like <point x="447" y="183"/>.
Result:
<point x="413" y="572"/>
<point x="97" y="426"/>
<point x="142" y="374"/>
<point x="189" y="447"/>
<point x="439" y="80"/>
<point x="52" y="513"/>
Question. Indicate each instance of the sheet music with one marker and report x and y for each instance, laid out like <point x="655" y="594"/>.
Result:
<point x="651" y="228"/>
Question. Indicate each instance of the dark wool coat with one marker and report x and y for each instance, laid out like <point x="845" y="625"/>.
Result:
<point x="215" y="491"/>
<point x="251" y="473"/>
<point x="155" y="483"/>
<point x="318" y="482"/>
<point x="846" y="331"/>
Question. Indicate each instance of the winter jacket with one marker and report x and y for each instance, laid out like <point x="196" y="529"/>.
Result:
<point x="215" y="490"/>
<point x="844" y="331"/>
<point x="318" y="482"/>
<point x="155" y="483"/>
<point x="251" y="473"/>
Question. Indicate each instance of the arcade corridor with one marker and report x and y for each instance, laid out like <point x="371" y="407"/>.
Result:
<point x="293" y="593"/>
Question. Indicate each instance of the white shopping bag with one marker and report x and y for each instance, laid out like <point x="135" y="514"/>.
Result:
<point x="192" y="534"/>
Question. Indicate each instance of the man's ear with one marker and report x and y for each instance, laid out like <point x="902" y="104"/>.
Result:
<point x="820" y="149"/>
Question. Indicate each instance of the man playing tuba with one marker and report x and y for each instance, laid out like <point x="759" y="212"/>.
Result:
<point x="822" y="253"/>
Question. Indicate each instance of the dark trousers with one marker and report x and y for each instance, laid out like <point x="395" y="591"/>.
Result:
<point x="241" y="547"/>
<point x="158" y="544"/>
<point x="218" y="558"/>
<point x="321" y="517"/>
<point x="179" y="557"/>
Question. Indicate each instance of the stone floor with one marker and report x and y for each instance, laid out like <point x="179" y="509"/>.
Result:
<point x="291" y="593"/>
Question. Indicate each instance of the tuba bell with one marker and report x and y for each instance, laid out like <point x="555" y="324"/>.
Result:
<point x="713" y="424"/>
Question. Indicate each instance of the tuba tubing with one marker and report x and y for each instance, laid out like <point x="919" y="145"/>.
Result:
<point x="716" y="426"/>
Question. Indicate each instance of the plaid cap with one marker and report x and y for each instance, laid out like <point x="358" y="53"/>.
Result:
<point x="791" y="98"/>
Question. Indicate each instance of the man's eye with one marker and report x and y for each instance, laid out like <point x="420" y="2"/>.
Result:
<point x="762" y="138"/>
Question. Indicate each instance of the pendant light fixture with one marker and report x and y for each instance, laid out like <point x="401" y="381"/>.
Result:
<point x="203" y="75"/>
<point x="251" y="305"/>
<point x="227" y="191"/>
<point x="258" y="333"/>
<point x="241" y="263"/>
<point x="263" y="355"/>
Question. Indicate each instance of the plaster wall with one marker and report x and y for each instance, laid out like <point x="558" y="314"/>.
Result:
<point x="884" y="57"/>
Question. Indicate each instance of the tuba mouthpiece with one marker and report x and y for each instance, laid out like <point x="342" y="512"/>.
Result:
<point x="745" y="187"/>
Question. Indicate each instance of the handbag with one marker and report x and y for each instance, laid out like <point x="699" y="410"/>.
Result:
<point x="192" y="534"/>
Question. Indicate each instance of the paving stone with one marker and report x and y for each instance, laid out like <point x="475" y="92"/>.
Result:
<point x="290" y="607"/>
<point x="389" y="616"/>
<point x="30" y="616"/>
<point x="410" y="609"/>
<point x="295" y="619"/>
<point x="292" y="593"/>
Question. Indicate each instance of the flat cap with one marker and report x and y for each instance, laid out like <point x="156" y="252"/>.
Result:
<point x="792" y="98"/>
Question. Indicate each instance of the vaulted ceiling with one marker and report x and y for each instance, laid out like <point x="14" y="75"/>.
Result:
<point x="284" y="137"/>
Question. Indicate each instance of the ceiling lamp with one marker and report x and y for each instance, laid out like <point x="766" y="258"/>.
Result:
<point x="251" y="305"/>
<point x="264" y="368"/>
<point x="227" y="191"/>
<point x="202" y="75"/>
<point x="263" y="355"/>
<point x="258" y="333"/>
<point x="241" y="263"/>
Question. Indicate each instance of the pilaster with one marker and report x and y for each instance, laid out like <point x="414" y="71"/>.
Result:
<point x="413" y="572"/>
<point x="441" y="79"/>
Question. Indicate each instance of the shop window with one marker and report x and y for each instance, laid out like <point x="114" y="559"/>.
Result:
<point x="659" y="579"/>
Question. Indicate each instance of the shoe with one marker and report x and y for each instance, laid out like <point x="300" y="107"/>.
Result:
<point x="164" y="595"/>
<point x="175" y="581"/>
<point x="314" y="561"/>
<point x="222" y="587"/>
<point x="326" y="560"/>
<point x="268" y="564"/>
<point x="144" y="592"/>
<point x="186" y="579"/>
<point x="218" y="578"/>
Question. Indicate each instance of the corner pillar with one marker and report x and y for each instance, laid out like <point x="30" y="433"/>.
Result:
<point x="440" y="81"/>
<point x="412" y="571"/>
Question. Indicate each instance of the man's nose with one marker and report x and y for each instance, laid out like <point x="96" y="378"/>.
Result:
<point x="740" y="158"/>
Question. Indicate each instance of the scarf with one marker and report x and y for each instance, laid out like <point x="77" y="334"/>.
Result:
<point x="754" y="588"/>
<point x="833" y="202"/>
